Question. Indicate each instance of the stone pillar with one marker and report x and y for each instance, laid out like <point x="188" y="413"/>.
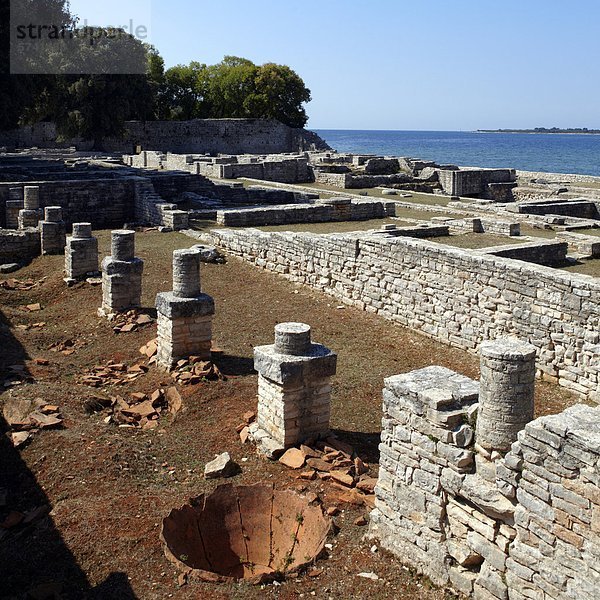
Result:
<point x="81" y="253"/>
<point x="294" y="388"/>
<point x="121" y="275"/>
<point x="30" y="215"/>
<point x="184" y="315"/>
<point x="53" y="231"/>
<point x="506" y="402"/>
<point x="14" y="205"/>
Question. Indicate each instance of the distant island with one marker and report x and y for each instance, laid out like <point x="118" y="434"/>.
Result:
<point x="543" y="130"/>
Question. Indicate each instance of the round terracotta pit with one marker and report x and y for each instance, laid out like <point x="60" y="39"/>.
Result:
<point x="255" y="533"/>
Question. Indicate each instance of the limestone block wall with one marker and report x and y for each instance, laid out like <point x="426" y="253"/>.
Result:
<point x="470" y="182"/>
<point x="531" y="533"/>
<point x="335" y="210"/>
<point x="457" y="296"/>
<point x="103" y="202"/>
<point x="227" y="136"/>
<point x="18" y="245"/>
<point x="542" y="252"/>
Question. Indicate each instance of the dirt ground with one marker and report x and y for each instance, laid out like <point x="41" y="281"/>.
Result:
<point x="108" y="487"/>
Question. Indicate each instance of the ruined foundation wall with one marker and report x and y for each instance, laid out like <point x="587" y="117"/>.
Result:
<point x="454" y="295"/>
<point x="199" y="136"/>
<point x="103" y="202"/>
<point x="533" y="532"/>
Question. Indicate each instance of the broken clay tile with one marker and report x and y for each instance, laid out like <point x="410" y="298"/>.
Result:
<point x="361" y="521"/>
<point x="318" y="464"/>
<point x="310" y="452"/>
<point x="244" y="435"/>
<point x="174" y="400"/>
<point x="34" y="307"/>
<point x="45" y="421"/>
<point x="144" y="409"/>
<point x="249" y="417"/>
<point x="367" y="485"/>
<point x="308" y="475"/>
<point x="293" y="458"/>
<point x="19" y="438"/>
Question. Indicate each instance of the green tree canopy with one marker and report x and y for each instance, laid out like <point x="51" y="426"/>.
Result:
<point x="235" y="88"/>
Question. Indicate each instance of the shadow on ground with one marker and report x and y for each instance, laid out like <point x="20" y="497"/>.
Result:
<point x="366" y="445"/>
<point x="35" y="561"/>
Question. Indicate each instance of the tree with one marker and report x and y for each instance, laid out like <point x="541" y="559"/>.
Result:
<point x="235" y="88"/>
<point x="18" y="92"/>
<point x="182" y="92"/>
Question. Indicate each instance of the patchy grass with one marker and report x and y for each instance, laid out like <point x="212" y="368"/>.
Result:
<point x="475" y="241"/>
<point x="585" y="267"/>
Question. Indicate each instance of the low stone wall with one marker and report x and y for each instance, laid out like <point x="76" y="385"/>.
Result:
<point x="583" y="209"/>
<point x="588" y="245"/>
<point x="477" y="225"/>
<point x="528" y="531"/>
<point x="457" y="296"/>
<point x="558" y="177"/>
<point x="18" y="245"/>
<point x="320" y="212"/>
<point x="540" y="252"/>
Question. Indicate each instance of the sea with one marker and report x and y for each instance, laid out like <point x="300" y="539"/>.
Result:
<point x="549" y="153"/>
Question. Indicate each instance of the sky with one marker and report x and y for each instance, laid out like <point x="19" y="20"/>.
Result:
<point x="392" y="64"/>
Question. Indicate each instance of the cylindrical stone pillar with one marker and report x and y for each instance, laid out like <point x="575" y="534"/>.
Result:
<point x="507" y="383"/>
<point x="123" y="245"/>
<point x="292" y="339"/>
<point x="31" y="198"/>
<point x="186" y="273"/>
<point x="82" y="231"/>
<point x="53" y="214"/>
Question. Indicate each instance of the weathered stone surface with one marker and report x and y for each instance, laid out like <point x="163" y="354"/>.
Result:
<point x="222" y="466"/>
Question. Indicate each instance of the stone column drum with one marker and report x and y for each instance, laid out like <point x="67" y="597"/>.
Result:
<point x="507" y="384"/>
<point x="53" y="231"/>
<point x="294" y="387"/>
<point x="81" y="252"/>
<point x="121" y="275"/>
<point x="30" y="215"/>
<point x="184" y="315"/>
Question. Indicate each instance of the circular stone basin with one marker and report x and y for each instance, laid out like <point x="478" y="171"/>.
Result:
<point x="244" y="532"/>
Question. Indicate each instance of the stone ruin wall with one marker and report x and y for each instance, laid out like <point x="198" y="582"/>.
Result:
<point x="227" y="136"/>
<point x="531" y="531"/>
<point x="103" y="202"/>
<point x="457" y="296"/>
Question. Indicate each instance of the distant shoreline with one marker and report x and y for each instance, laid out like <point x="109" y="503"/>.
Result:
<point x="543" y="131"/>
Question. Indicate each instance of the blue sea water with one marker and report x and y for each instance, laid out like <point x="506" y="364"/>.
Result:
<point x="550" y="153"/>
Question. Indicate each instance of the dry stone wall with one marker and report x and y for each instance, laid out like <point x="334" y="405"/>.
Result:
<point x="199" y="136"/>
<point x="457" y="296"/>
<point x="515" y="525"/>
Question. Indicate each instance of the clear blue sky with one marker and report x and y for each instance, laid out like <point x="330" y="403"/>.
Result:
<point x="393" y="64"/>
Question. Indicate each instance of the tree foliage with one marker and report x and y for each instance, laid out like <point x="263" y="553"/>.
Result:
<point x="95" y="106"/>
<point x="236" y="88"/>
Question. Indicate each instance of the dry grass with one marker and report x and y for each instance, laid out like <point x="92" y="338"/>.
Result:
<point x="109" y="487"/>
